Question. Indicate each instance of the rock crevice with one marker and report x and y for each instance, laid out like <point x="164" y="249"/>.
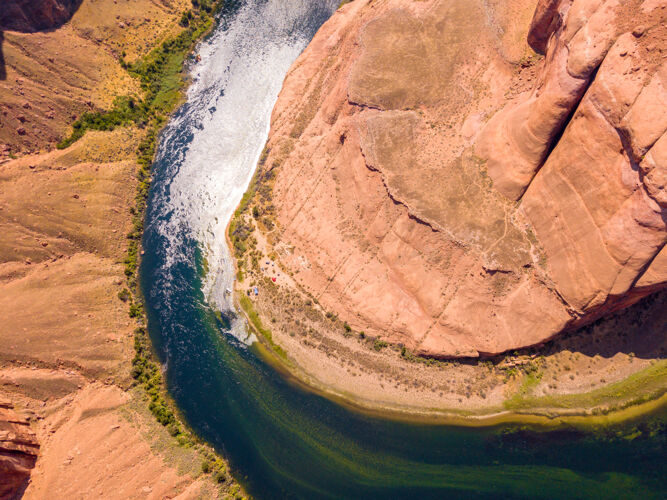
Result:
<point x="18" y="451"/>
<point x="36" y="15"/>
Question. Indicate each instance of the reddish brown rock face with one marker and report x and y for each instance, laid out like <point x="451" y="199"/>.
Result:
<point x="34" y="15"/>
<point x="18" y="452"/>
<point x="591" y="197"/>
<point x="438" y="184"/>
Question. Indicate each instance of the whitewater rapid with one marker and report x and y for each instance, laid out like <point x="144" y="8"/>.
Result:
<point x="208" y="151"/>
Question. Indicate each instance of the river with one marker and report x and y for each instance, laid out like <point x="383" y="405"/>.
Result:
<point x="282" y="441"/>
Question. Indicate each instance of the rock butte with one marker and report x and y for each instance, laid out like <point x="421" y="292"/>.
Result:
<point x="439" y="184"/>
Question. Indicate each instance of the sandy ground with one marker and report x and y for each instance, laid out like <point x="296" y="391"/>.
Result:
<point x="65" y="336"/>
<point x="53" y="77"/>
<point x="94" y="444"/>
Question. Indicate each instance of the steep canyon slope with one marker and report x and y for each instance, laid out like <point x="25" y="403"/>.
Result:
<point x="69" y="425"/>
<point x="436" y="182"/>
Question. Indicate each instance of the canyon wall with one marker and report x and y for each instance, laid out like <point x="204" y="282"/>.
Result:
<point x="437" y="182"/>
<point x="35" y="15"/>
<point x="18" y="451"/>
<point x="70" y="427"/>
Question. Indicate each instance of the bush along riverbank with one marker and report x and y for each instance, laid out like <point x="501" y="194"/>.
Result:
<point x="162" y="79"/>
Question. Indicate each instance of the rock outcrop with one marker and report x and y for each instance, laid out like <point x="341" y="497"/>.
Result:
<point x="594" y="189"/>
<point x="66" y="341"/>
<point x="438" y="184"/>
<point x="18" y="452"/>
<point x="35" y="15"/>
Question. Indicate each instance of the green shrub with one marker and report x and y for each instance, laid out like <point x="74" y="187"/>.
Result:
<point x="186" y="18"/>
<point x="136" y="310"/>
<point x="124" y="111"/>
<point x="378" y="344"/>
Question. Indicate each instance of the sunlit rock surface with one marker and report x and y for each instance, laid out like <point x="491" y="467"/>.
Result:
<point x="439" y="184"/>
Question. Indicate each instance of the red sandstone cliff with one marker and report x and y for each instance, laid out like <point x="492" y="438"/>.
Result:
<point x="585" y="151"/>
<point x="18" y="452"/>
<point x="438" y="184"/>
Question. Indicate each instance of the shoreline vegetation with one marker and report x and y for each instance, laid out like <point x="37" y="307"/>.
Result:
<point x="163" y="82"/>
<point x="641" y="392"/>
<point x="545" y="411"/>
<point x="546" y="416"/>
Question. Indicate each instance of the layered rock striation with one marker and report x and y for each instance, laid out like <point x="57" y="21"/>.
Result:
<point x="437" y="183"/>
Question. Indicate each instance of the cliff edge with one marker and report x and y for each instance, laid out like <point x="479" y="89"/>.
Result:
<point x="436" y="182"/>
<point x="34" y="15"/>
<point x="18" y="451"/>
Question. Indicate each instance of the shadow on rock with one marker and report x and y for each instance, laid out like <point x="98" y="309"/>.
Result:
<point x="29" y="16"/>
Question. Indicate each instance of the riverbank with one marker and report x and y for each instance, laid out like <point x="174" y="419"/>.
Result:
<point x="607" y="372"/>
<point x="163" y="81"/>
<point x="543" y="415"/>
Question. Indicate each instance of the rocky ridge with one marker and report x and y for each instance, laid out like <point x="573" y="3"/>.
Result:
<point x="30" y="15"/>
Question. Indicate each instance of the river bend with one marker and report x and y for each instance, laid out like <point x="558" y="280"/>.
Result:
<point x="283" y="442"/>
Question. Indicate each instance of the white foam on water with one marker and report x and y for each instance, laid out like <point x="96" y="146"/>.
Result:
<point x="229" y="104"/>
